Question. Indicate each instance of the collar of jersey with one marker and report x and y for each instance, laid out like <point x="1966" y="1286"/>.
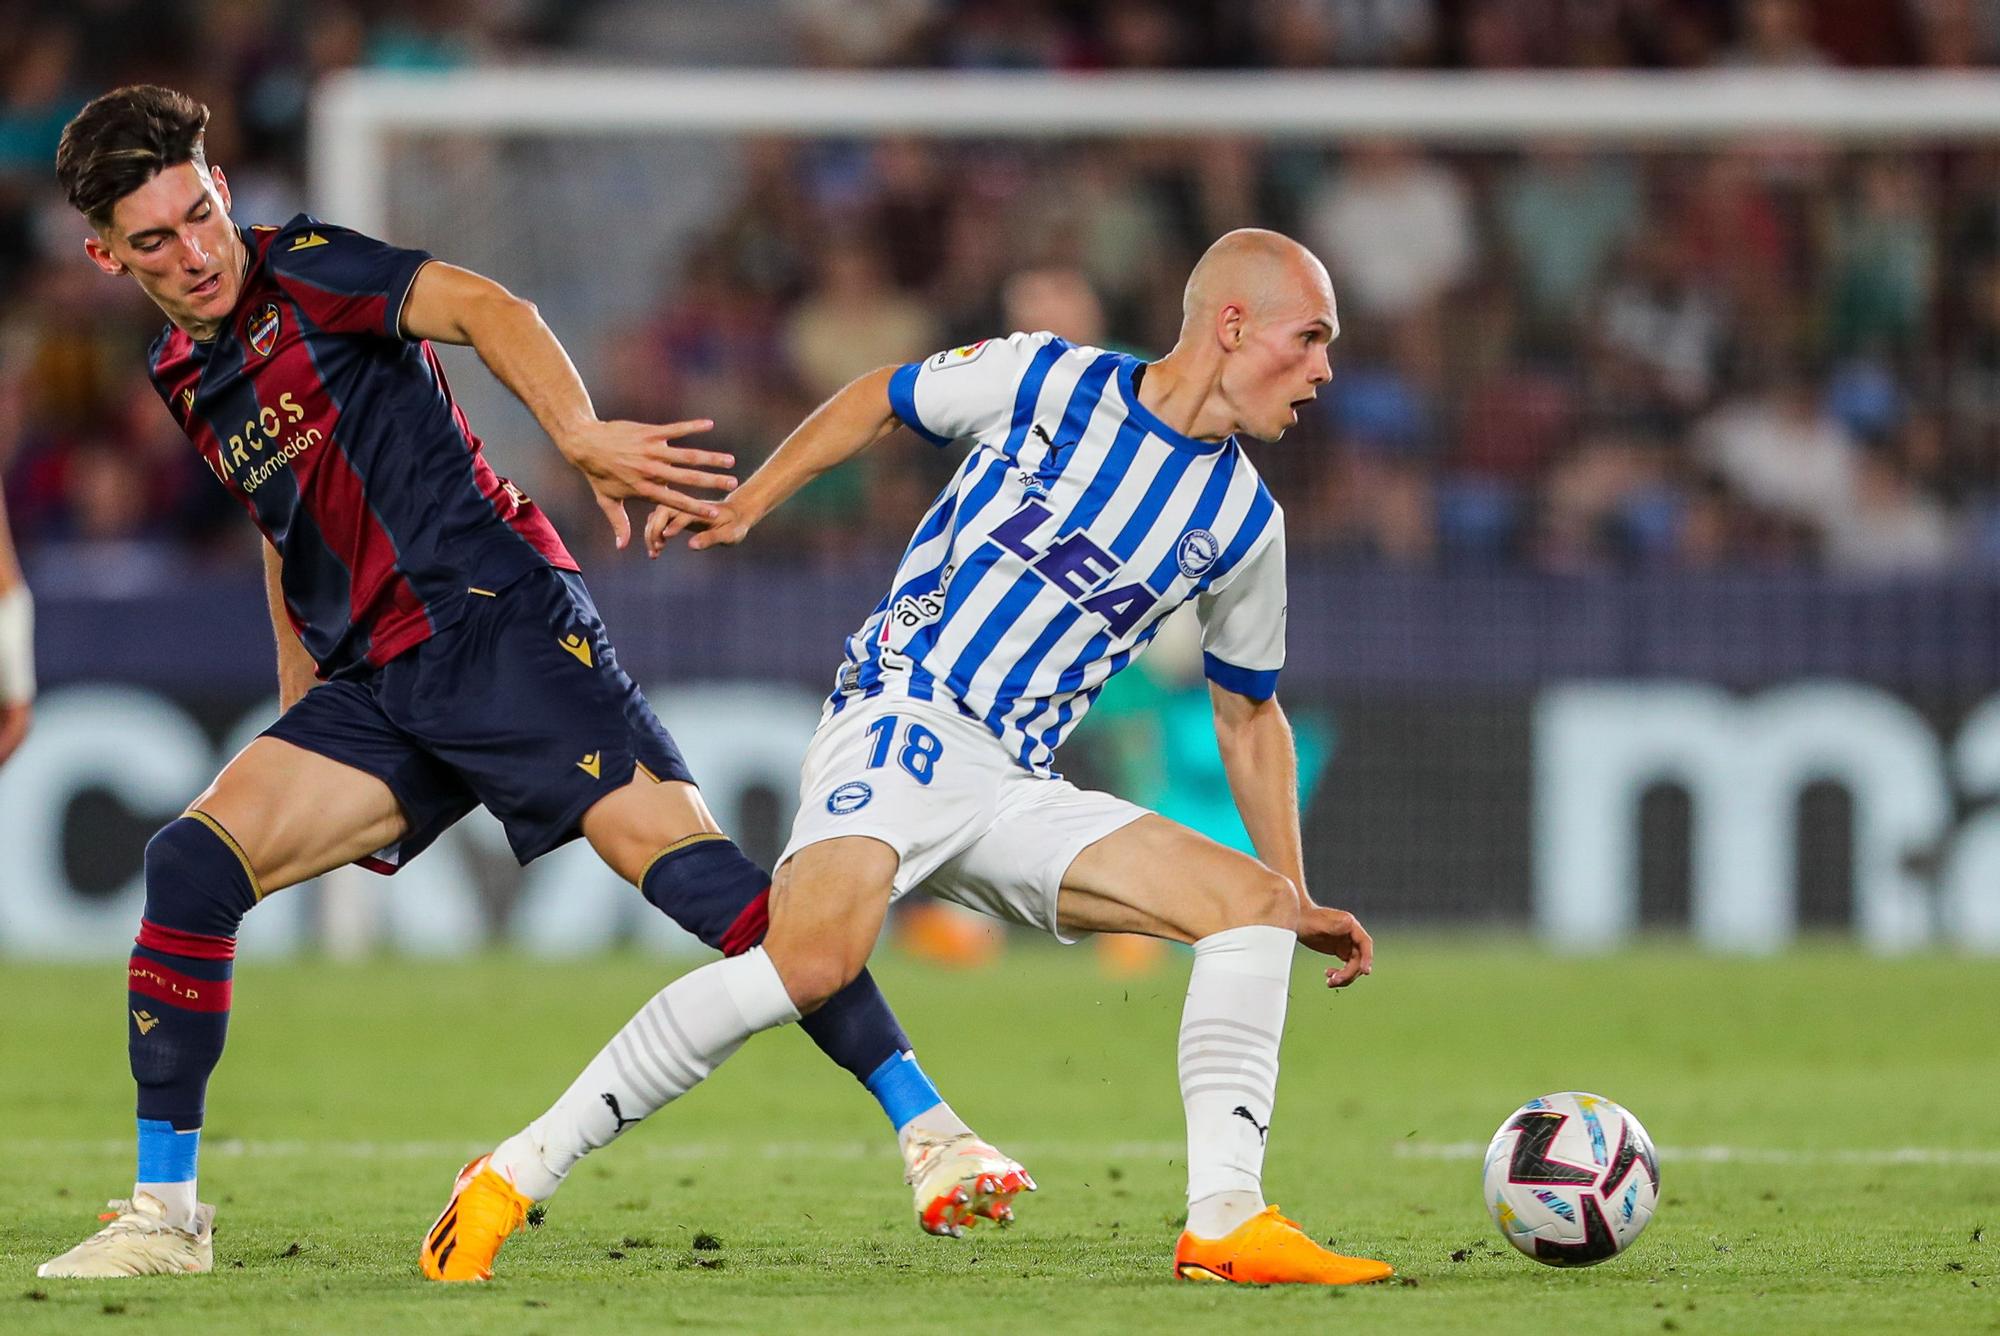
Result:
<point x="1145" y="418"/>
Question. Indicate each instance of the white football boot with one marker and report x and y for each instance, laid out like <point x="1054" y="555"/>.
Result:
<point x="140" y="1242"/>
<point x="961" y="1180"/>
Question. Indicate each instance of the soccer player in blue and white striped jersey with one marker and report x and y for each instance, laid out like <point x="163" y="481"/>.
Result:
<point x="1102" y="493"/>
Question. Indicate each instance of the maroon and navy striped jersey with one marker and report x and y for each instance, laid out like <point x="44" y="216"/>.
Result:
<point x="341" y="438"/>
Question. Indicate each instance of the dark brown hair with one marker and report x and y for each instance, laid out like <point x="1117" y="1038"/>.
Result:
<point x="123" y="140"/>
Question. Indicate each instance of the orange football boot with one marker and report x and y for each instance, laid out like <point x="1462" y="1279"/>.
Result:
<point x="484" y="1209"/>
<point x="1268" y="1249"/>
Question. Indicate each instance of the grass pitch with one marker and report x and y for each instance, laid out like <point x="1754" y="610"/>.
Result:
<point x="1830" y="1126"/>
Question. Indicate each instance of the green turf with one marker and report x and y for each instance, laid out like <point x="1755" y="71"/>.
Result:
<point x="351" y="1093"/>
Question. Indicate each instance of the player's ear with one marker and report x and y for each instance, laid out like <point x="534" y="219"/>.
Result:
<point x="221" y="186"/>
<point x="101" y="256"/>
<point x="1229" y="326"/>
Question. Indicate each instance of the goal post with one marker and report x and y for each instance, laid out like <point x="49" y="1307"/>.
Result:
<point x="1744" y="234"/>
<point x="356" y="111"/>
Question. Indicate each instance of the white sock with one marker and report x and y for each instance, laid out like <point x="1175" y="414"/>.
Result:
<point x="665" y="1050"/>
<point x="1230" y="1029"/>
<point x="937" y="1123"/>
<point x="178" y="1198"/>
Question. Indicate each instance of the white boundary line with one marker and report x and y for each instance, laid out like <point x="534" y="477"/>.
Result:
<point x="1947" y="1156"/>
<point x="687" y="1151"/>
<point x="697" y="1151"/>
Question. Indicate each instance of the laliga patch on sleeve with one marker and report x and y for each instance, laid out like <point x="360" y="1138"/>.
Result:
<point x="952" y="357"/>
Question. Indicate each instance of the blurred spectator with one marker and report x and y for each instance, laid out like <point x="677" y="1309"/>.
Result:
<point x="1656" y="337"/>
<point x="1777" y="447"/>
<point x="1891" y="527"/>
<point x="853" y="320"/>
<point x="1774" y="34"/>
<point x="859" y="33"/>
<point x="1396" y="232"/>
<point x="39" y="96"/>
<point x="1882" y="263"/>
<point x="1956" y="34"/>
<point x="1565" y="213"/>
<point x="1059" y="300"/>
<point x="1394" y="228"/>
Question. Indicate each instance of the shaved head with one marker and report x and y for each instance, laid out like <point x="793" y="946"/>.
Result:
<point x="1264" y="273"/>
<point x="1256" y="322"/>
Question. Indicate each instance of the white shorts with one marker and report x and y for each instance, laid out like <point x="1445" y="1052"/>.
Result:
<point x="969" y="824"/>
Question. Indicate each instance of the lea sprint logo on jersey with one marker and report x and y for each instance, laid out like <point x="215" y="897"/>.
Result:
<point x="849" y="797"/>
<point x="264" y="329"/>
<point x="1077" y="567"/>
<point x="1197" y="551"/>
<point x="952" y="357"/>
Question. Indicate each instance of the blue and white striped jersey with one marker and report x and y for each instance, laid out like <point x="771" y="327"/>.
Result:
<point x="1067" y="536"/>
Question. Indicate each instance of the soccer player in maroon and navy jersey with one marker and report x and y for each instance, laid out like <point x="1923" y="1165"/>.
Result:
<point x="437" y="651"/>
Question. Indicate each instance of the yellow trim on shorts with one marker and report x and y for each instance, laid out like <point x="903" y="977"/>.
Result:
<point x="475" y="589"/>
<point x="679" y="844"/>
<point x="256" y="886"/>
<point x="640" y="766"/>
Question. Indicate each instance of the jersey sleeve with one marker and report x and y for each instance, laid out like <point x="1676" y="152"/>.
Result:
<point x="345" y="282"/>
<point x="1243" y="621"/>
<point x="969" y="392"/>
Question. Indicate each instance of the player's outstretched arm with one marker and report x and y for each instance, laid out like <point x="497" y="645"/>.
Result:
<point x="17" y="645"/>
<point x="1263" y="769"/>
<point x="296" y="672"/>
<point x="619" y="459"/>
<point x="852" y="420"/>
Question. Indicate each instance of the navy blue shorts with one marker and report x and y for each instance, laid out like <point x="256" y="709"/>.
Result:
<point x="520" y="707"/>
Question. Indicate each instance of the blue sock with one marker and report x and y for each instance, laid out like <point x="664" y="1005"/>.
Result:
<point x="167" y="1154"/>
<point x="902" y="1089"/>
<point x="711" y="888"/>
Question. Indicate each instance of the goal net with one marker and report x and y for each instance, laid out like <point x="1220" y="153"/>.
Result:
<point x="1643" y="547"/>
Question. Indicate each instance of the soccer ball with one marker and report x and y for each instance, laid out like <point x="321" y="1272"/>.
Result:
<point x="1571" y="1179"/>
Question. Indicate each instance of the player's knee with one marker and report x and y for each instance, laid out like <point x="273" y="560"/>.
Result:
<point x="196" y="880"/>
<point x="812" y="977"/>
<point x="1266" y="898"/>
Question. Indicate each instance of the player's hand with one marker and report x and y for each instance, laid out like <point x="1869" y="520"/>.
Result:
<point x="14" y="720"/>
<point x="725" y="528"/>
<point x="623" y="460"/>
<point x="1335" y="932"/>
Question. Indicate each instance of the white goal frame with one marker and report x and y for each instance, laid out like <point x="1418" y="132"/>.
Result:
<point x="356" y="112"/>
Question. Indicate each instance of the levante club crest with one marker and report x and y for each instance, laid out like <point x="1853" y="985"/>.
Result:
<point x="264" y="329"/>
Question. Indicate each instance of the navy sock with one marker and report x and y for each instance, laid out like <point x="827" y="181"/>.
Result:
<point x="198" y="887"/>
<point x="711" y="888"/>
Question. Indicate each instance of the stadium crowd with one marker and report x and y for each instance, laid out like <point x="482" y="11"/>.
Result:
<point x="1558" y="359"/>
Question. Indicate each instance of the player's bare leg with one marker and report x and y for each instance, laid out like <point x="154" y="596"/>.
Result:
<point x="276" y="815"/>
<point x="629" y="828"/>
<point x="296" y="814"/>
<point x="1156" y="877"/>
